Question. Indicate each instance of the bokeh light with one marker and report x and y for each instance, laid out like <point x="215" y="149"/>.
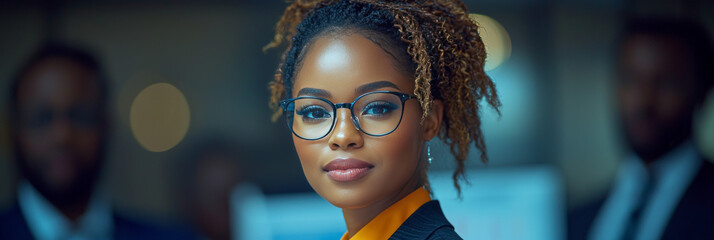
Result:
<point x="495" y="38"/>
<point x="159" y="117"/>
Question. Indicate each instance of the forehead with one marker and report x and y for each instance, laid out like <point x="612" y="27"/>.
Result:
<point x="341" y="64"/>
<point x="58" y="80"/>
<point x="655" y="54"/>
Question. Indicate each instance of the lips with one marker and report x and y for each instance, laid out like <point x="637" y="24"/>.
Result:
<point x="346" y="170"/>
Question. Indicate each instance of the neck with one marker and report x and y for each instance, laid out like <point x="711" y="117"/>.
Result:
<point x="75" y="209"/>
<point x="357" y="218"/>
<point x="652" y="156"/>
<point x="71" y="203"/>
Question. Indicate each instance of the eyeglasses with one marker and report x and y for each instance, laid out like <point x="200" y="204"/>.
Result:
<point x="80" y="116"/>
<point x="375" y="114"/>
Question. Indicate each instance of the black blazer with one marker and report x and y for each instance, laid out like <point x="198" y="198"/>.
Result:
<point x="691" y="218"/>
<point x="13" y="226"/>
<point x="428" y="222"/>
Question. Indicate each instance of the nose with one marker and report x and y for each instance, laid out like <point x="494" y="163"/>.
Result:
<point x="60" y="131"/>
<point x="345" y="135"/>
<point x="644" y="100"/>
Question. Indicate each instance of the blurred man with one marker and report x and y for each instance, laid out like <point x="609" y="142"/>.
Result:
<point x="665" y="189"/>
<point x="209" y="174"/>
<point x="59" y="130"/>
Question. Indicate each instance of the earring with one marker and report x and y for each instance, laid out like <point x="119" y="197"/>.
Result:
<point x="428" y="153"/>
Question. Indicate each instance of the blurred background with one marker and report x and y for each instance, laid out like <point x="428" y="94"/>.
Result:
<point x="187" y="75"/>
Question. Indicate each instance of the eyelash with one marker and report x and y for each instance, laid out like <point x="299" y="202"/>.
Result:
<point x="386" y="105"/>
<point x="308" y="109"/>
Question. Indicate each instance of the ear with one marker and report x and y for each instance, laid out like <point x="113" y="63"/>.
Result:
<point x="432" y="123"/>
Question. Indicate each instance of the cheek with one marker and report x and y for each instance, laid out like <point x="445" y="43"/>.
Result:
<point x="674" y="103"/>
<point x="82" y="145"/>
<point x="309" y="153"/>
<point x="33" y="145"/>
<point x="627" y="98"/>
<point x="88" y="144"/>
<point x="401" y="149"/>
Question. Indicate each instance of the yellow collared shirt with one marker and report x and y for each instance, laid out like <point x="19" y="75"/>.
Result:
<point x="388" y="221"/>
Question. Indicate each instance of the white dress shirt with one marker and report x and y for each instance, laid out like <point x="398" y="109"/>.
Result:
<point x="671" y="176"/>
<point x="47" y="223"/>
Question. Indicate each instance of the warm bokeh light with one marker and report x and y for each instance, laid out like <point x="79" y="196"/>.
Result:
<point x="159" y="117"/>
<point x="496" y="39"/>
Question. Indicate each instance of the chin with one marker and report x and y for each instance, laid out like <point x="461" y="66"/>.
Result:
<point x="343" y="197"/>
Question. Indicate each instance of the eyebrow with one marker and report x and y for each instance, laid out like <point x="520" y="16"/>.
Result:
<point x="360" y="90"/>
<point x="314" y="92"/>
<point x="374" y="86"/>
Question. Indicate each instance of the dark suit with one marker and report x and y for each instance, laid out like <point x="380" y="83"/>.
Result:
<point x="691" y="218"/>
<point x="13" y="226"/>
<point x="428" y="222"/>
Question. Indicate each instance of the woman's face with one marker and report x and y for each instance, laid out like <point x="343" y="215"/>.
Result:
<point x="347" y="167"/>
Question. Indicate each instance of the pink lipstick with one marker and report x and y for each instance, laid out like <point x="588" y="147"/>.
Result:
<point x="346" y="170"/>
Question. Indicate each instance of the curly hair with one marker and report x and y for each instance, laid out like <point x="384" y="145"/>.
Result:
<point x="444" y="52"/>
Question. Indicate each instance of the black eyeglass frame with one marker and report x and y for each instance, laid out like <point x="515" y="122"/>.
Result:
<point x="285" y="103"/>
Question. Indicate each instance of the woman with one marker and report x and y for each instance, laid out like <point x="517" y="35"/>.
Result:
<point x="364" y="85"/>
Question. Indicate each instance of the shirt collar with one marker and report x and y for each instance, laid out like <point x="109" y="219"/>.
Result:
<point x="46" y="222"/>
<point x="670" y="175"/>
<point x="680" y="159"/>
<point x="388" y="221"/>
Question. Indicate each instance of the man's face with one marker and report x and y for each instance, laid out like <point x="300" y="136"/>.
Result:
<point x="60" y="130"/>
<point x="656" y="94"/>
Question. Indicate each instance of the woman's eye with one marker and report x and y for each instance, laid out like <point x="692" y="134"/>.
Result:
<point x="313" y="112"/>
<point x="379" y="108"/>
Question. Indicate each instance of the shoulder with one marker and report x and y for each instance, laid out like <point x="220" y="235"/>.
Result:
<point x="700" y="192"/>
<point x="130" y="228"/>
<point x="427" y="222"/>
<point x="444" y="233"/>
<point x="695" y="210"/>
<point x="10" y="214"/>
<point x="13" y="224"/>
<point x="705" y="175"/>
